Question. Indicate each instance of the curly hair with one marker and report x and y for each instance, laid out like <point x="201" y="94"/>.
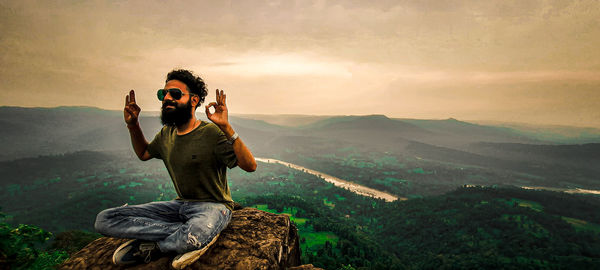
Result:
<point x="194" y="83"/>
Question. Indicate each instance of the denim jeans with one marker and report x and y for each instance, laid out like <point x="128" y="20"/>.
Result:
<point x="177" y="226"/>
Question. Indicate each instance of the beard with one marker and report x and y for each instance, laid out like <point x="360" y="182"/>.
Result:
<point x="178" y="116"/>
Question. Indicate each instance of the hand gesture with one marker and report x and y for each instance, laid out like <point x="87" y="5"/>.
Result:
<point x="219" y="117"/>
<point x="132" y="110"/>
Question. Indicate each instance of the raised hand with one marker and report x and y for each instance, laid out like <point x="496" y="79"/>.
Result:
<point x="219" y="117"/>
<point x="132" y="110"/>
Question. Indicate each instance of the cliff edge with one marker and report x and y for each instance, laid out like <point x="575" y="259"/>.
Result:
<point x="253" y="240"/>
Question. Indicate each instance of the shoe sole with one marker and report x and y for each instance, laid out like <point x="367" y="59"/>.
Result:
<point x="122" y="246"/>
<point x="184" y="260"/>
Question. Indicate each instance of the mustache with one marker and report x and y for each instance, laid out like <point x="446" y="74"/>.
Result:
<point x="169" y="103"/>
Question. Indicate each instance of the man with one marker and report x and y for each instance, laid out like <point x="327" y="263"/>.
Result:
<point x="196" y="154"/>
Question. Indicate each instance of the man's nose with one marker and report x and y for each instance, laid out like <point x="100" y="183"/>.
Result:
<point x="168" y="96"/>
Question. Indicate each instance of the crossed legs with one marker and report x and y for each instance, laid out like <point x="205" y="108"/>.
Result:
<point x="177" y="226"/>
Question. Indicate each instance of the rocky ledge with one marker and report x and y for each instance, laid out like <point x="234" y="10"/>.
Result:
<point x="253" y="240"/>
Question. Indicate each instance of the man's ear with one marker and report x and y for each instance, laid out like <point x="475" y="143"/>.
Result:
<point x="195" y="101"/>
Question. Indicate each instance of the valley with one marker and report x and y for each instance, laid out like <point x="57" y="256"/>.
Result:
<point x="424" y="194"/>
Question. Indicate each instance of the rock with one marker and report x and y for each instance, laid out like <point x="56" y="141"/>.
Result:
<point x="253" y="240"/>
<point x="305" y="267"/>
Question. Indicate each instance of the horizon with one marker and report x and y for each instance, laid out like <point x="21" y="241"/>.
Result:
<point x="483" y="122"/>
<point x="516" y="62"/>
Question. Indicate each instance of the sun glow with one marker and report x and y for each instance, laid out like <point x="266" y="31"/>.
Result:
<point x="259" y="64"/>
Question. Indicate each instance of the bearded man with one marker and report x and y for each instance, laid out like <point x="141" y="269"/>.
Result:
<point x="197" y="155"/>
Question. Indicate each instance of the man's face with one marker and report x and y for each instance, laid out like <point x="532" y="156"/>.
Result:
<point x="176" y="112"/>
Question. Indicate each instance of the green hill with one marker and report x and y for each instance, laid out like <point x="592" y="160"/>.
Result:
<point x="493" y="228"/>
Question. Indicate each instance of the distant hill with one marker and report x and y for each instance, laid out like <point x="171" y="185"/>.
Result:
<point x="43" y="131"/>
<point x="374" y="130"/>
<point x="32" y="132"/>
<point x="577" y="156"/>
<point x="288" y="120"/>
<point x="60" y="166"/>
<point x="552" y="133"/>
<point x="455" y="133"/>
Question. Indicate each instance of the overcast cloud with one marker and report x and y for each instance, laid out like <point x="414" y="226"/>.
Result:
<point x="525" y="61"/>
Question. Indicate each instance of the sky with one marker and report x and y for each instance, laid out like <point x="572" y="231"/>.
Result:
<point x="514" y="61"/>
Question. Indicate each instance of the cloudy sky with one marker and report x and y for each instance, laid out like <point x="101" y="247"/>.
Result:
<point x="518" y="61"/>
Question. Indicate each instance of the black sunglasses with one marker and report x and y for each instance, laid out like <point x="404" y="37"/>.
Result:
<point x="175" y="93"/>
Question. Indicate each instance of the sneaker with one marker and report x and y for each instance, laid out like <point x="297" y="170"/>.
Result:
<point x="183" y="260"/>
<point x="135" y="251"/>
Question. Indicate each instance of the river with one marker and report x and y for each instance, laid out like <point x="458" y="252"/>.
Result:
<point x="572" y="190"/>
<point x="351" y="186"/>
<point x="366" y="191"/>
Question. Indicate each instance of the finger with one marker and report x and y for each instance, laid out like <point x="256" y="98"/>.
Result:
<point x="212" y="104"/>
<point x="217" y="96"/>
<point x="224" y="98"/>
<point x="208" y="114"/>
<point x="128" y="110"/>
<point x="136" y="107"/>
<point x="132" y="94"/>
<point x="126" y="100"/>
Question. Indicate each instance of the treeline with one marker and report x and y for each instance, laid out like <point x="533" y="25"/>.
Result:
<point x="581" y="206"/>
<point x="470" y="228"/>
<point x="29" y="247"/>
<point x="355" y="248"/>
<point x="487" y="228"/>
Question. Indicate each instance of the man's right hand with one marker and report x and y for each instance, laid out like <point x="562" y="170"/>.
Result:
<point x="132" y="110"/>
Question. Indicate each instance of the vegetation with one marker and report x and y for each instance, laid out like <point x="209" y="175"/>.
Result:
<point x="492" y="228"/>
<point x="21" y="248"/>
<point x="472" y="227"/>
<point x="468" y="228"/>
<point x="439" y="226"/>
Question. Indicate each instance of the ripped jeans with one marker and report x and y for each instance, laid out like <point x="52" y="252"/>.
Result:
<point x="177" y="226"/>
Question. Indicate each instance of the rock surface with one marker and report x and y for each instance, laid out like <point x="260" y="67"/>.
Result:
<point x="253" y="240"/>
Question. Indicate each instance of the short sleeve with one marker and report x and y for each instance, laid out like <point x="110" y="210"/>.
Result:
<point x="154" y="146"/>
<point x="224" y="152"/>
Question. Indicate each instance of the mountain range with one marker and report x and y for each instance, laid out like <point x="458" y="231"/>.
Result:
<point x="31" y="132"/>
<point x="60" y="166"/>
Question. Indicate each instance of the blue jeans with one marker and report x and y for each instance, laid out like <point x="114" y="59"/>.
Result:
<point x="177" y="226"/>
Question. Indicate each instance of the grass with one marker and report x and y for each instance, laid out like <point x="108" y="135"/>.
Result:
<point x="264" y="207"/>
<point x="289" y="211"/>
<point x="418" y="171"/>
<point x="312" y="239"/>
<point x="529" y="204"/>
<point x="315" y="239"/>
<point x="340" y="198"/>
<point x="524" y="203"/>
<point x="582" y="225"/>
<point x="328" y="203"/>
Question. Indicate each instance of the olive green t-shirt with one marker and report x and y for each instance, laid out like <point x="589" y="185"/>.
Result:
<point x="197" y="162"/>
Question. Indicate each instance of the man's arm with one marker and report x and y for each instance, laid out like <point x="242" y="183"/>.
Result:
<point x="245" y="159"/>
<point x="138" y="141"/>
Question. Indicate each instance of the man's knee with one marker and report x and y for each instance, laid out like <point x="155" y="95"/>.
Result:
<point x="101" y="225"/>
<point x="203" y="230"/>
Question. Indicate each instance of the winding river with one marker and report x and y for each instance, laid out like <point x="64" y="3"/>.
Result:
<point x="356" y="188"/>
<point x="366" y="191"/>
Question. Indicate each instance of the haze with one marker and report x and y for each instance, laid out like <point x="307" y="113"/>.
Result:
<point x="515" y="61"/>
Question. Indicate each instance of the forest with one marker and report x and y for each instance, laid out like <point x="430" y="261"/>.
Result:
<point x="468" y="227"/>
<point x="462" y="202"/>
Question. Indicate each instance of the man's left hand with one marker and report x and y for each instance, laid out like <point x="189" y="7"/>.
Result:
<point x="219" y="117"/>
